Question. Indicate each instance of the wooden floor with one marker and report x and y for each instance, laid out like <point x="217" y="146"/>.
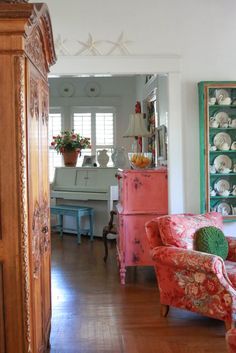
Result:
<point x="93" y="313"/>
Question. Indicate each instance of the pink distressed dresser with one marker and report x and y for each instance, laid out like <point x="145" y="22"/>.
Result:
<point x="143" y="195"/>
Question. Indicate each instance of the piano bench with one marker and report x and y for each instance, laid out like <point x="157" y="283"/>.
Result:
<point x="74" y="211"/>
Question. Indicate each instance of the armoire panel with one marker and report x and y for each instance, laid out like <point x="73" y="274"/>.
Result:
<point x="2" y="329"/>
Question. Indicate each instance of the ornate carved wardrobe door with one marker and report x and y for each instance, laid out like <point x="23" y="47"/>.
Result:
<point x="35" y="231"/>
<point x="40" y="251"/>
<point x="44" y="204"/>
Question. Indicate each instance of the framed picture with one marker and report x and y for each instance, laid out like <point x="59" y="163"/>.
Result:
<point x="89" y="161"/>
<point x="161" y="143"/>
<point x="152" y="122"/>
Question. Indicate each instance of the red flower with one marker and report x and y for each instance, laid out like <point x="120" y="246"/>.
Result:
<point x="52" y="143"/>
<point x="211" y="286"/>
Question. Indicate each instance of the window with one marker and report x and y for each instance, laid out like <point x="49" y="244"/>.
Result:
<point x="82" y="125"/>
<point x="98" y="125"/>
<point x="54" y="128"/>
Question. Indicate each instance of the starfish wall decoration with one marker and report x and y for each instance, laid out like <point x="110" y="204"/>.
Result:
<point x="120" y="45"/>
<point x="90" y="47"/>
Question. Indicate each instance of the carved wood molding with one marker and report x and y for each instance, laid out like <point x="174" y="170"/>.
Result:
<point x="50" y="41"/>
<point x="23" y="197"/>
<point x="40" y="234"/>
<point x="45" y="104"/>
<point x="34" y="49"/>
<point x="45" y="243"/>
<point x="34" y="98"/>
<point x="36" y="248"/>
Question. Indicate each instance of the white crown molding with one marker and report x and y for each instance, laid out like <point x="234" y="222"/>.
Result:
<point x="127" y="64"/>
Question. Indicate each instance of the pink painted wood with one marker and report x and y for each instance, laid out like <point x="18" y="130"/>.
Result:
<point x="143" y="195"/>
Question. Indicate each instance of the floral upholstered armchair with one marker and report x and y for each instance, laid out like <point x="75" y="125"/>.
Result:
<point x="191" y="279"/>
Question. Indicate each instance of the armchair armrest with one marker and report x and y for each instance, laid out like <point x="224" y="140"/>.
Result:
<point x="188" y="259"/>
<point x="232" y="249"/>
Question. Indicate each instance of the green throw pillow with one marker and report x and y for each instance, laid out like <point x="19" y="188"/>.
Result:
<point x="212" y="241"/>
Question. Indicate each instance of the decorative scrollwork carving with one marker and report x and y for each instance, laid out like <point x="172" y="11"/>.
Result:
<point x="36" y="246"/>
<point x="23" y="207"/>
<point x="45" y="105"/>
<point x="40" y="234"/>
<point x="34" y="98"/>
<point x="34" y="49"/>
<point x="45" y="234"/>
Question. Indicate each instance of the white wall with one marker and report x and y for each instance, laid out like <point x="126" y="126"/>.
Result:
<point x="202" y="32"/>
<point x="119" y="92"/>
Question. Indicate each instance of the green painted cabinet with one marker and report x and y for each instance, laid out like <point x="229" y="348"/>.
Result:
<point x="217" y="108"/>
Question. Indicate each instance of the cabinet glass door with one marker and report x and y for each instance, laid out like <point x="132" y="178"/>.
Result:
<point x="218" y="147"/>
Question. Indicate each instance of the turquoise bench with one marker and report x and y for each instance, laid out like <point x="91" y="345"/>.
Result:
<point x="74" y="211"/>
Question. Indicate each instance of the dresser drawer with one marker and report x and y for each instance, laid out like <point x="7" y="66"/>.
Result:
<point x="143" y="191"/>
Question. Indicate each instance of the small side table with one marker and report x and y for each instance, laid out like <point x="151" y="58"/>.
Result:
<point x="74" y="211"/>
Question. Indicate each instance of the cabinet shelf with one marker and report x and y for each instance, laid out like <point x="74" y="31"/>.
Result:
<point x="222" y="128"/>
<point x="217" y="106"/>
<point x="220" y="152"/>
<point x="222" y="174"/>
<point x="223" y="197"/>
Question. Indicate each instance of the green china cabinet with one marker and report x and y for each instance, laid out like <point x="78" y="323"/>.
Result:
<point x="217" y="107"/>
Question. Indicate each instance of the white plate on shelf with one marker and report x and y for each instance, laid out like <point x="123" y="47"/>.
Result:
<point x="220" y="139"/>
<point x="221" y="94"/>
<point x="222" y="118"/>
<point x="224" y="208"/>
<point x="222" y="162"/>
<point x="233" y="123"/>
<point x="222" y="185"/>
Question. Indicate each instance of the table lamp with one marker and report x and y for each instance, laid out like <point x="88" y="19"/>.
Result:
<point x="137" y="128"/>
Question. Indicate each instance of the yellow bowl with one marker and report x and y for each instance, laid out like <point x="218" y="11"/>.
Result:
<point x="140" y="160"/>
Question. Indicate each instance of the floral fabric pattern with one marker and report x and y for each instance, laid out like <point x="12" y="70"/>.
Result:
<point x="231" y="272"/>
<point x="232" y="249"/>
<point x="179" y="230"/>
<point x="231" y="340"/>
<point x="153" y="234"/>
<point x="190" y="279"/>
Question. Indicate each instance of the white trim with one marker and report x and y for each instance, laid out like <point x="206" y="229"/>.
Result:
<point x="175" y="146"/>
<point x="127" y="65"/>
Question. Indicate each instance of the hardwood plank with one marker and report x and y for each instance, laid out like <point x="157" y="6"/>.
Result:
<point x="93" y="313"/>
<point x="2" y="333"/>
<point x="1" y="250"/>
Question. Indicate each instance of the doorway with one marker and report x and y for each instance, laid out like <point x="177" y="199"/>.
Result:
<point x="102" y="65"/>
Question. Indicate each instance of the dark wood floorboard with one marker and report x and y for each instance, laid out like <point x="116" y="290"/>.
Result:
<point x="93" y="313"/>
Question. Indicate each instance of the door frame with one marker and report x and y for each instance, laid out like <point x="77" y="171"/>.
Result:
<point x="133" y="65"/>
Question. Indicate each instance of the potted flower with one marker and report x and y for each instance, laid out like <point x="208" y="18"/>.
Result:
<point x="70" y="144"/>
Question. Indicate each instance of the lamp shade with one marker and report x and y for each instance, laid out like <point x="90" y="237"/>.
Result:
<point x="136" y="126"/>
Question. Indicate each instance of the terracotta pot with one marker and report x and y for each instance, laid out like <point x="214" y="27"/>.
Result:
<point x="70" y="158"/>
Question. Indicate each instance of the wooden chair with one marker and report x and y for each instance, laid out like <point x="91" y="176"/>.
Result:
<point x="109" y="229"/>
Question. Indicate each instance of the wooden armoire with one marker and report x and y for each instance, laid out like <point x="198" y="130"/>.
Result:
<point x="26" y="53"/>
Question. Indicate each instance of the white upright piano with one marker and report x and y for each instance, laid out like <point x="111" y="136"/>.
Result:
<point x="85" y="186"/>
